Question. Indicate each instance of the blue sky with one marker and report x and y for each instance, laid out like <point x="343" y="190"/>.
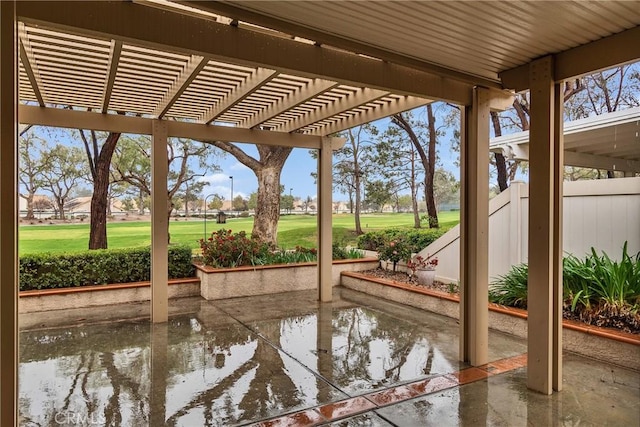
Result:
<point x="296" y="173"/>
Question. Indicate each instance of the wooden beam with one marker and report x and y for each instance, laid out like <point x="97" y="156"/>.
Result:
<point x="325" y="189"/>
<point x="259" y="77"/>
<point x="159" y="223"/>
<point x="29" y="64"/>
<point x="312" y="89"/>
<point x="58" y="117"/>
<point x="8" y="215"/>
<point x="361" y="97"/>
<point x="112" y="67"/>
<point x="474" y="230"/>
<point x="403" y="104"/>
<point x="601" y="54"/>
<point x="121" y="21"/>
<point x="190" y="72"/>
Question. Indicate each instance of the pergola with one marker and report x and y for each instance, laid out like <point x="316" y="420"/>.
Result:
<point x="293" y="73"/>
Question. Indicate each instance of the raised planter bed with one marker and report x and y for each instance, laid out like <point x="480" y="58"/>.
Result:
<point x="92" y="296"/>
<point x="608" y="345"/>
<point x="220" y="283"/>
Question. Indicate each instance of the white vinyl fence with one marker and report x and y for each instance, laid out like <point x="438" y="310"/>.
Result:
<point x="599" y="213"/>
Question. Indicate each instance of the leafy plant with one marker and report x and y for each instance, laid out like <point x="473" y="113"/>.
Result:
<point x="596" y="289"/>
<point x="225" y="249"/>
<point x="98" y="267"/>
<point x="395" y="250"/>
<point x="511" y="289"/>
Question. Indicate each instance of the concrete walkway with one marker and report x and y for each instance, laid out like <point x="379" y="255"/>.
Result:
<point x="287" y="360"/>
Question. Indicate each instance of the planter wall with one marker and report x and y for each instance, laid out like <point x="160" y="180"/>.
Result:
<point x="94" y="296"/>
<point x="599" y="343"/>
<point x="220" y="283"/>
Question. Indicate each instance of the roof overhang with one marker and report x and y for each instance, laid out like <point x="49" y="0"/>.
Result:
<point x="608" y="142"/>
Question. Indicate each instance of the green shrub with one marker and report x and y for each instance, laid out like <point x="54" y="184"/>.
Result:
<point x="98" y="267"/>
<point x="340" y="252"/>
<point x="417" y="239"/>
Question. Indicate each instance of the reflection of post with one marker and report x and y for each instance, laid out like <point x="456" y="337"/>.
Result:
<point x="473" y="406"/>
<point x="324" y="347"/>
<point x="158" y="389"/>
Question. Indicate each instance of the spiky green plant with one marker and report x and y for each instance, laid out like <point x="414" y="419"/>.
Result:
<point x="511" y="289"/>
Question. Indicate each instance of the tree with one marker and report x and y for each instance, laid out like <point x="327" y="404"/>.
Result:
<point x="379" y="193"/>
<point x="400" y="163"/>
<point x="427" y="158"/>
<point x="132" y="164"/>
<point x="67" y="166"/>
<point x="99" y="162"/>
<point x="239" y="204"/>
<point x="252" y="203"/>
<point x="286" y="202"/>
<point x="216" y="202"/>
<point x="307" y="203"/>
<point x="190" y="197"/>
<point x="267" y="168"/>
<point x="446" y="187"/>
<point x="31" y="164"/>
<point x="352" y="164"/>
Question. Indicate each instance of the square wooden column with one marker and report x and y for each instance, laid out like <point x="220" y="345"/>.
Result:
<point x="8" y="214"/>
<point x="159" y="224"/>
<point x="325" y="236"/>
<point x="474" y="229"/>
<point x="544" y="361"/>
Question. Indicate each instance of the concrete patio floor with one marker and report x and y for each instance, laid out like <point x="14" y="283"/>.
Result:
<point x="286" y="359"/>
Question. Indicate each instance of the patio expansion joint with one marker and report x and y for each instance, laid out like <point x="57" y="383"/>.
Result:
<point x="352" y="406"/>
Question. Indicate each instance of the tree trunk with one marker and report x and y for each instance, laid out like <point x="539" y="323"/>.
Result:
<point x="29" y="199"/>
<point x="61" y="212"/>
<point x="358" y="203"/>
<point x="414" y="193"/>
<point x="432" y="211"/>
<point x="501" y="163"/>
<point x="141" y="202"/>
<point x="428" y="160"/>
<point x="100" y="197"/>
<point x="414" y="203"/>
<point x="265" y="224"/>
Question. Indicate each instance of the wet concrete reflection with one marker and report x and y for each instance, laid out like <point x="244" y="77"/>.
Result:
<point x="239" y="361"/>
<point x="182" y="374"/>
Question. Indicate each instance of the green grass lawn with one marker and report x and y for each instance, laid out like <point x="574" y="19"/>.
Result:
<point x="292" y="230"/>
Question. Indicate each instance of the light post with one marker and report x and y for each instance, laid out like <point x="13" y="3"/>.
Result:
<point x="205" y="215"/>
<point x="291" y="200"/>
<point x="231" y="178"/>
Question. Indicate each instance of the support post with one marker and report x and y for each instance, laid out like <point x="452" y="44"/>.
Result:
<point x="325" y="237"/>
<point x="159" y="224"/>
<point x="474" y="230"/>
<point x="544" y="342"/>
<point x="515" y="222"/>
<point x="8" y="214"/>
<point x="558" y="198"/>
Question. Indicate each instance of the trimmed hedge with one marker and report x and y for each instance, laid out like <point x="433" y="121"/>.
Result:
<point x="98" y="267"/>
<point x="417" y="239"/>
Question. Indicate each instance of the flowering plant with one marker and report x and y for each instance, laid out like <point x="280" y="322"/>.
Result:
<point x="395" y="250"/>
<point x="421" y="263"/>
